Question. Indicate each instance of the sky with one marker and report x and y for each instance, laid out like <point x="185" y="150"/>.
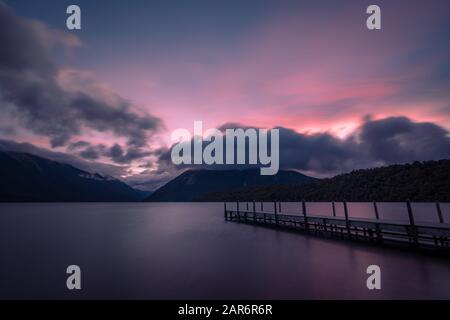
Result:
<point x="107" y="97"/>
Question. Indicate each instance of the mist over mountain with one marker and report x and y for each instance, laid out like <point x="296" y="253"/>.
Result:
<point x="418" y="181"/>
<point x="26" y="177"/>
<point x="195" y="184"/>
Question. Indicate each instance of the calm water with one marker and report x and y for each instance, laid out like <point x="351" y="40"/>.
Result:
<point x="188" y="251"/>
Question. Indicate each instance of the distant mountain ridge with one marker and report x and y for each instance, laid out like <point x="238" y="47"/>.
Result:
<point x="418" y="181"/>
<point x="192" y="185"/>
<point x="25" y="178"/>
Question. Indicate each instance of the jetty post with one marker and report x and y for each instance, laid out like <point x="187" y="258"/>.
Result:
<point x="439" y="211"/>
<point x="412" y="222"/>
<point x="246" y="212"/>
<point x="225" y="210"/>
<point x="279" y="206"/>
<point x="262" y="206"/>
<point x="410" y="213"/>
<point x="347" y="222"/>
<point x="377" y="226"/>
<point x="254" y="211"/>
<point x="334" y="209"/>
<point x="305" y="216"/>
<point x="237" y="211"/>
<point x="375" y="208"/>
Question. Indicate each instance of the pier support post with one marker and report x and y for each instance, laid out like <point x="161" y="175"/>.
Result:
<point x="377" y="226"/>
<point x="237" y="211"/>
<point x="225" y="210"/>
<point x="410" y="213"/>
<point x="378" y="233"/>
<point x="375" y="208"/>
<point x="439" y="211"/>
<point x="305" y="216"/>
<point x="254" y="211"/>
<point x="262" y="206"/>
<point x="347" y="222"/>
<point x="411" y="222"/>
<point x="279" y="206"/>
<point x="334" y="209"/>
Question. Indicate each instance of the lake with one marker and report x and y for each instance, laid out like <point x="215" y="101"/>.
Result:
<point x="188" y="251"/>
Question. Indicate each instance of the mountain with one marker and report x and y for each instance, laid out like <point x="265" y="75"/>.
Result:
<point x="194" y="184"/>
<point x="26" y="177"/>
<point x="143" y="194"/>
<point x="418" y="181"/>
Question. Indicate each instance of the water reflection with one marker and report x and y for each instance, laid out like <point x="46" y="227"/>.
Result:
<point x="184" y="250"/>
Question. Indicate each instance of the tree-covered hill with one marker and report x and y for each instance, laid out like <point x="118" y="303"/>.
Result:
<point x="419" y="181"/>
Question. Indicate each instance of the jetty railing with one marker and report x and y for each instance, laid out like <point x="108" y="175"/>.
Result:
<point x="380" y="231"/>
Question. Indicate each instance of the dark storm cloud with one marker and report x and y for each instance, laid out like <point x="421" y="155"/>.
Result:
<point x="116" y="153"/>
<point x="398" y="139"/>
<point x="90" y="153"/>
<point x="29" y="82"/>
<point x="25" y="44"/>
<point x="322" y="153"/>
<point x="78" y="145"/>
<point x="117" y="118"/>
<point x="377" y="142"/>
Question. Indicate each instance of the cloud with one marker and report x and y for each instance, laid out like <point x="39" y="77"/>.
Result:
<point x="78" y="145"/>
<point x="375" y="143"/>
<point x="49" y="101"/>
<point x="116" y="152"/>
<point x="321" y="152"/>
<point x="90" y="153"/>
<point x="398" y="139"/>
<point x="120" y="156"/>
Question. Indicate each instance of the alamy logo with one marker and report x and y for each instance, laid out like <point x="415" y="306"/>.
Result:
<point x="257" y="141"/>
<point x="73" y="21"/>
<point x="74" y="280"/>
<point x="374" y="20"/>
<point x="374" y="280"/>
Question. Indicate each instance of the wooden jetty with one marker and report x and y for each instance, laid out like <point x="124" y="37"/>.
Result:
<point x="378" y="231"/>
